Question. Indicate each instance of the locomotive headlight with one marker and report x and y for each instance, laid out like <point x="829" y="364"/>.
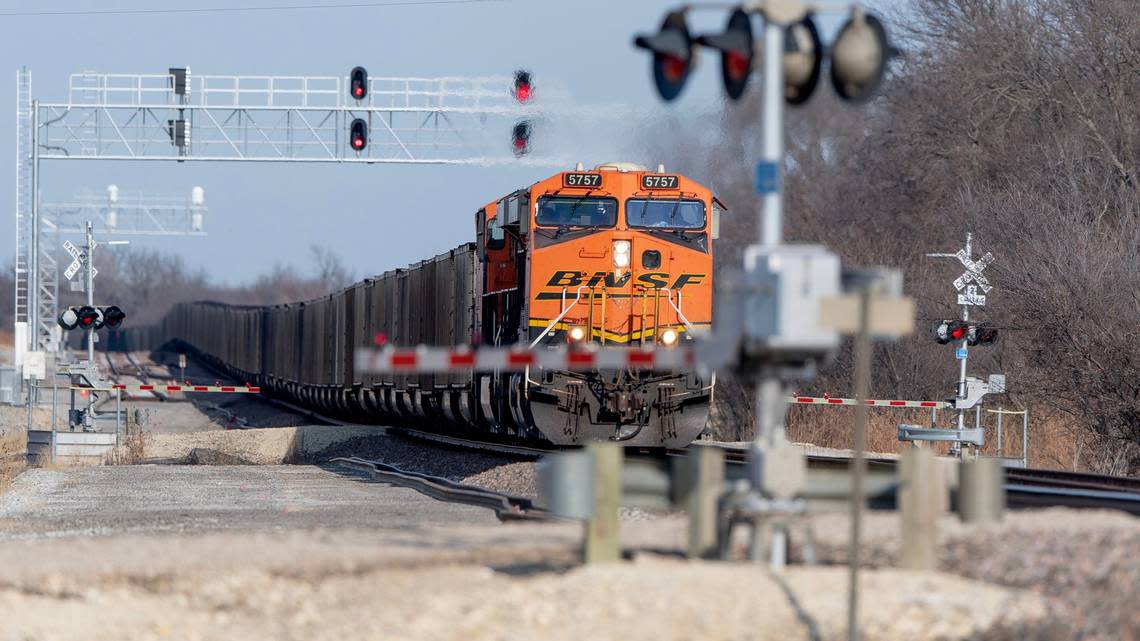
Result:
<point x="576" y="334"/>
<point x="621" y="254"/>
<point x="669" y="337"/>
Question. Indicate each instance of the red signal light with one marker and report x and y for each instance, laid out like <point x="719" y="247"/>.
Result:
<point x="358" y="134"/>
<point x="358" y="83"/>
<point x="523" y="89"/>
<point x="958" y="332"/>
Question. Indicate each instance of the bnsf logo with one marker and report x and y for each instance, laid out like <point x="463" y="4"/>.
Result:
<point x="655" y="280"/>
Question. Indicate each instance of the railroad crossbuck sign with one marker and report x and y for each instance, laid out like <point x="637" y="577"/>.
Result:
<point x="973" y="274"/>
<point x="76" y="261"/>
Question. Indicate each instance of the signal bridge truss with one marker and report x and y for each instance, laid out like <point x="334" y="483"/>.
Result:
<point x="280" y="118"/>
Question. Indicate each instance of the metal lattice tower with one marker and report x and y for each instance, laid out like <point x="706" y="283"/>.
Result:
<point x="24" y="195"/>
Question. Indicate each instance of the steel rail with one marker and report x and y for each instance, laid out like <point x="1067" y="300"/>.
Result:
<point x="506" y="507"/>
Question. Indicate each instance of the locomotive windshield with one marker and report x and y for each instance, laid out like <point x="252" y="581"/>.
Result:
<point x="671" y="214"/>
<point x="572" y="211"/>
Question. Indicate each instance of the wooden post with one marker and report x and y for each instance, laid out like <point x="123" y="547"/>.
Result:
<point x="701" y="479"/>
<point x="602" y="543"/>
<point x="981" y="491"/>
<point x="919" y="508"/>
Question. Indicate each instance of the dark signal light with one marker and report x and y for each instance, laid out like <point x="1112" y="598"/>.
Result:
<point x="113" y="316"/>
<point x="358" y="134"/>
<point x="358" y="83"/>
<point x="520" y="138"/>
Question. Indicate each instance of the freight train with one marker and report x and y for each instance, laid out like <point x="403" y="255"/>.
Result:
<point x="616" y="255"/>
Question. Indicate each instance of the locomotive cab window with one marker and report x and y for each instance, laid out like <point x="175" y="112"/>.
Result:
<point x="572" y="211"/>
<point x="670" y="214"/>
<point x="496" y="239"/>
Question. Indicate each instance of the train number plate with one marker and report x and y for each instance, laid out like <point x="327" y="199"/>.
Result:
<point x="656" y="181"/>
<point x="581" y="180"/>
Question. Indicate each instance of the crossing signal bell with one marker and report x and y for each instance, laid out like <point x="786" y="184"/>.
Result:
<point x="674" y="55"/>
<point x="358" y="83"/>
<point x="523" y="87"/>
<point x="358" y="134"/>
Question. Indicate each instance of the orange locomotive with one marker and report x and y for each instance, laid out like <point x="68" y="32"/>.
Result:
<point x="615" y="255"/>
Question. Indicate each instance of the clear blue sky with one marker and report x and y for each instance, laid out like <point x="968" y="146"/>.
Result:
<point x="376" y="216"/>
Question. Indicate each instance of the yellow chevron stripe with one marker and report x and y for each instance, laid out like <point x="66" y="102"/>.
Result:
<point x="617" y="337"/>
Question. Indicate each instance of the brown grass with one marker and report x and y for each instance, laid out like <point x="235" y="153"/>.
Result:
<point x="1051" y="444"/>
<point x="12" y="461"/>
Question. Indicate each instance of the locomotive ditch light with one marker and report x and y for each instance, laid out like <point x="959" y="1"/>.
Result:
<point x="674" y="55"/>
<point x="803" y="60"/>
<point x="576" y="334"/>
<point x="523" y="87"/>
<point x="113" y="316"/>
<point x="69" y="319"/>
<point x="358" y="134"/>
<point x="358" y="83"/>
<point x="87" y="316"/>
<point x="669" y="337"/>
<point x="520" y="138"/>
<point x="737" y="52"/>
<point x="859" y="57"/>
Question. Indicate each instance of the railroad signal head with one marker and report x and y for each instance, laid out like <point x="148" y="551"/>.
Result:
<point x="358" y="83"/>
<point x="520" y="138"/>
<point x="358" y="135"/>
<point x="859" y="57"/>
<point x="69" y="319"/>
<point x="87" y="317"/>
<point x="803" y="60"/>
<point x="981" y="335"/>
<point x="948" y="331"/>
<point x="113" y="316"/>
<point x="736" y="52"/>
<point x="673" y="54"/>
<point x="523" y="87"/>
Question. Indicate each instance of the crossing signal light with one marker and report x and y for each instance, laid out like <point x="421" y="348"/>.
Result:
<point x="358" y="83"/>
<point x="358" y="134"/>
<point x="981" y="335"/>
<point x="520" y="138"/>
<point x="859" y="57"/>
<point x="87" y="317"/>
<point x="736" y="52"/>
<point x="673" y="54"/>
<point x="523" y="87"/>
<point x="113" y="316"/>
<point x="948" y="331"/>
<point x="803" y="60"/>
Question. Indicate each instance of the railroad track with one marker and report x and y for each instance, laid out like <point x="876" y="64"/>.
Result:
<point x="507" y="507"/>
<point x="1025" y="487"/>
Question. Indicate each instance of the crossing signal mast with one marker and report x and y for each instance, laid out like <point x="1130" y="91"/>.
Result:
<point x="972" y="287"/>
